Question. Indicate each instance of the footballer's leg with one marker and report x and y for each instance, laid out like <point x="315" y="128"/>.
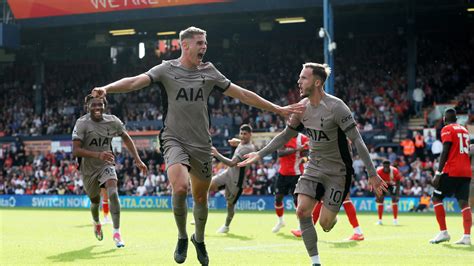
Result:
<point x="95" y="203"/>
<point x="105" y="205"/>
<point x="230" y="215"/>
<point x="91" y="186"/>
<point x="308" y="191"/>
<point x="178" y="176"/>
<point x="395" y="210"/>
<point x="352" y="216"/>
<point x="462" y="194"/>
<point x="280" y="191"/>
<point x="467" y="223"/>
<point x="200" y="190"/>
<point x="111" y="186"/>
<point x="315" y="218"/>
<point x="327" y="218"/>
<point x="379" y="202"/>
<point x="444" y="188"/>
<point x="308" y="232"/>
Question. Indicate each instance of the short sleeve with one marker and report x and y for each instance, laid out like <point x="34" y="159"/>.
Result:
<point x="343" y="116"/>
<point x="156" y="72"/>
<point x="396" y="174"/>
<point x="120" y="126"/>
<point x="446" y="135"/>
<point x="78" y="133"/>
<point x="379" y="170"/>
<point x="220" y="81"/>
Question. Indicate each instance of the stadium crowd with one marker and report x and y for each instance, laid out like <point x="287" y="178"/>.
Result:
<point x="376" y="91"/>
<point x="24" y="172"/>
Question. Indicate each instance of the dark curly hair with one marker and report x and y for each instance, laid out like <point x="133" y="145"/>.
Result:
<point x="90" y="97"/>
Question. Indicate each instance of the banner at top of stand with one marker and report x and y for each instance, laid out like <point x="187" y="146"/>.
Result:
<point x="27" y="9"/>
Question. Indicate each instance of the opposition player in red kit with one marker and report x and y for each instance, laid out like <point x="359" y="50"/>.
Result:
<point x="291" y="158"/>
<point x="454" y="177"/>
<point x="392" y="177"/>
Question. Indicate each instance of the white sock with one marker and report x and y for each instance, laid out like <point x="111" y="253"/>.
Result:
<point x="467" y="236"/>
<point x="444" y="231"/>
<point x="116" y="231"/>
<point x="280" y="219"/>
<point x="357" y="230"/>
<point x="315" y="259"/>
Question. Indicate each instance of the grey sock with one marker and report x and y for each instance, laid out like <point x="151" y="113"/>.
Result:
<point x="180" y="210"/>
<point x="309" y="235"/>
<point x="114" y="206"/>
<point x="230" y="214"/>
<point x="95" y="211"/>
<point x="200" y="212"/>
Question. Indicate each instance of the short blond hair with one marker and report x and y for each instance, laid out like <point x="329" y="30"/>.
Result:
<point x="321" y="70"/>
<point x="190" y="33"/>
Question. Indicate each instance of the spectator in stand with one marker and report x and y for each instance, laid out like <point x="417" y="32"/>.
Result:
<point x="424" y="203"/>
<point x="418" y="97"/>
<point x="408" y="147"/>
<point x="419" y="145"/>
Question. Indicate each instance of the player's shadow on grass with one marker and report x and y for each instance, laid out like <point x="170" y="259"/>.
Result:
<point x="459" y="247"/>
<point x="81" y="254"/>
<point x="83" y="226"/>
<point x="239" y="237"/>
<point x="289" y="237"/>
<point x="340" y="244"/>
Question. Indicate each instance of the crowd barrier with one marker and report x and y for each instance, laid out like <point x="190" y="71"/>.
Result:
<point x="245" y="203"/>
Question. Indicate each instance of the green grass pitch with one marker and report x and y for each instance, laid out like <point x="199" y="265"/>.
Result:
<point x="50" y="236"/>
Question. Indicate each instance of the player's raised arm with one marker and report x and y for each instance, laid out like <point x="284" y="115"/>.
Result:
<point x="133" y="150"/>
<point x="229" y="162"/>
<point x="290" y="131"/>
<point x="123" y="85"/>
<point x="252" y="99"/>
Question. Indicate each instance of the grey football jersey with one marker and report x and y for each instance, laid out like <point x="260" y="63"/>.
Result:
<point x="325" y="126"/>
<point x="185" y="94"/>
<point x="96" y="136"/>
<point x="238" y="172"/>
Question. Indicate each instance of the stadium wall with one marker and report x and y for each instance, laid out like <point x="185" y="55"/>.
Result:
<point x="245" y="203"/>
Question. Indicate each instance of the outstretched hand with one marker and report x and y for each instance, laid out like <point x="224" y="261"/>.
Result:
<point x="377" y="185"/>
<point x="234" y="142"/>
<point x="214" y="151"/>
<point x="296" y="108"/>
<point x="249" y="159"/>
<point x="98" y="92"/>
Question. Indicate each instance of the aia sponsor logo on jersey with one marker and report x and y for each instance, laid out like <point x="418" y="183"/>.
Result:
<point x="99" y="142"/>
<point x="317" y="135"/>
<point x="190" y="95"/>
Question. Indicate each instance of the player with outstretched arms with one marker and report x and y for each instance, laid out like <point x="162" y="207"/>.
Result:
<point x="232" y="179"/>
<point x="186" y="83"/>
<point x="327" y="176"/>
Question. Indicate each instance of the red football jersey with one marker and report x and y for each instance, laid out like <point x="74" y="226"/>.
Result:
<point x="390" y="177"/>
<point x="290" y="164"/>
<point x="458" y="163"/>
